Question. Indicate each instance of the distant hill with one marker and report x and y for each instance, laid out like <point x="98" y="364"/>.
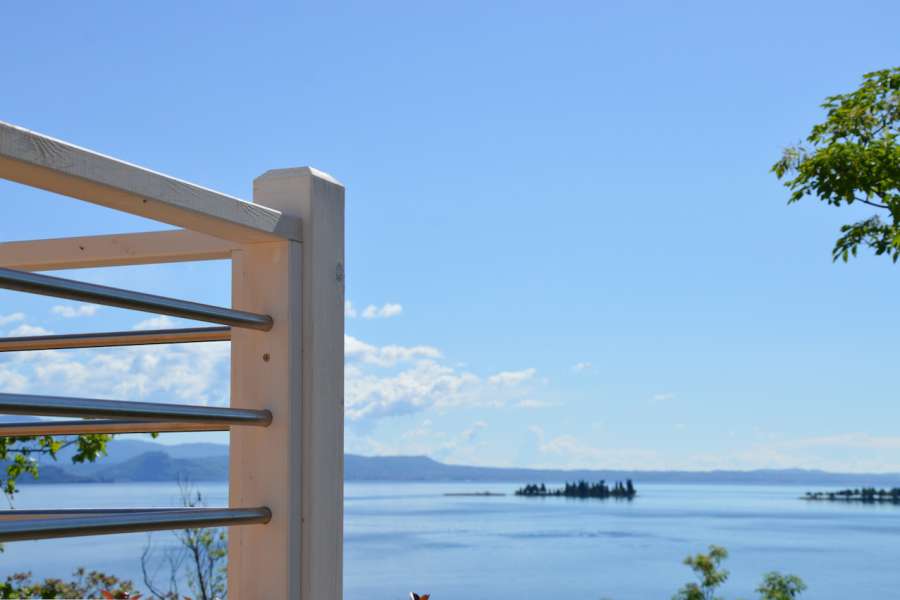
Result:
<point x="160" y="466"/>
<point x="423" y="468"/>
<point x="54" y="474"/>
<point x="120" y="450"/>
<point x="137" y="460"/>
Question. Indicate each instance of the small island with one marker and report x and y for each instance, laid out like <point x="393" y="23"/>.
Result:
<point x="582" y="489"/>
<point x="863" y="495"/>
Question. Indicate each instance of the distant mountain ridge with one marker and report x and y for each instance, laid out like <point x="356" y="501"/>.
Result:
<point x="136" y="460"/>
<point x="423" y="468"/>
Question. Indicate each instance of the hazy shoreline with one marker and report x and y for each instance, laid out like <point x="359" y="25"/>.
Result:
<point x="140" y="461"/>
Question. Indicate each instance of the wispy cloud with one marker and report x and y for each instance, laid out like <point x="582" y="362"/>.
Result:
<point x="11" y="318"/>
<point x="68" y="311"/>
<point x="425" y="439"/>
<point x="160" y="322"/>
<point x="385" y="356"/>
<point x="581" y="367"/>
<point x="25" y="330"/>
<point x="531" y="403"/>
<point x="510" y="378"/>
<point x="845" y="440"/>
<point x="843" y="452"/>
<point x="385" y="311"/>
<point x="570" y="452"/>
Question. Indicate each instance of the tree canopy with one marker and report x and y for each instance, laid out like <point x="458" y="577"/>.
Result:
<point x="853" y="157"/>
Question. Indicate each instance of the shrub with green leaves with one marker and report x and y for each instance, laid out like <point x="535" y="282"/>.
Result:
<point x="711" y="576"/>
<point x="93" y="584"/>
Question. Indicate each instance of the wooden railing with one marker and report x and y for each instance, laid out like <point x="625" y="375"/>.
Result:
<point x="286" y="330"/>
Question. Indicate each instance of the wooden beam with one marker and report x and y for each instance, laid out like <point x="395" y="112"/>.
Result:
<point x="113" y="250"/>
<point x="296" y="371"/>
<point x="43" y="162"/>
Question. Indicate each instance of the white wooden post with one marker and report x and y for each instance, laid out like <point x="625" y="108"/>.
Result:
<point x="296" y="370"/>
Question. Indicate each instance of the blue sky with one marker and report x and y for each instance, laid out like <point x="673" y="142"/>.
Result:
<point x="562" y="217"/>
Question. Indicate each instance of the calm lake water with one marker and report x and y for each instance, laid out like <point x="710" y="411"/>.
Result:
<point x="406" y="537"/>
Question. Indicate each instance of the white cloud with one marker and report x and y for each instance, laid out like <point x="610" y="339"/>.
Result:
<point x="11" y="381"/>
<point x="663" y="397"/>
<point x="160" y="322"/>
<point x="569" y="447"/>
<point x="422" y="431"/>
<point x="425" y="384"/>
<point x="469" y="434"/>
<point x="191" y="374"/>
<point x="510" y="378"/>
<point x="569" y="452"/>
<point x="11" y="318"/>
<point x="846" y="440"/>
<point x="531" y="403"/>
<point x="384" y="312"/>
<point x="385" y="356"/>
<point x="385" y="381"/>
<point x="69" y="312"/>
<point x="463" y="447"/>
<point x="842" y="453"/>
<point x="25" y="330"/>
<point x="581" y="367"/>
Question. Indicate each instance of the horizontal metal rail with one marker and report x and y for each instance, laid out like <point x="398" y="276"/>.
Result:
<point x="85" y="426"/>
<point x="100" y="294"/>
<point x="90" y="408"/>
<point x="127" y="521"/>
<point x="58" y="513"/>
<point x="115" y="338"/>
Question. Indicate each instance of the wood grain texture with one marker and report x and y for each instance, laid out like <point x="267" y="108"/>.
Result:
<point x="113" y="250"/>
<point x="296" y="465"/>
<point x="43" y="162"/>
<point x="265" y="465"/>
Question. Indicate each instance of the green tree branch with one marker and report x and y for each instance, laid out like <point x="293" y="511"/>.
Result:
<point x="851" y="157"/>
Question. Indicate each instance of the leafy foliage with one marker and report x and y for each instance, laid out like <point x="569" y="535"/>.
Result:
<point x="711" y="576"/>
<point x="93" y="584"/>
<point x="853" y="157"/>
<point x="776" y="586"/>
<point x="201" y="555"/>
<point x="706" y="567"/>
<point x="18" y="454"/>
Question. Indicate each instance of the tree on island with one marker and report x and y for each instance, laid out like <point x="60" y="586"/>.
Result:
<point x="582" y="489"/>
<point x="868" y="495"/>
<point x="853" y="157"/>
